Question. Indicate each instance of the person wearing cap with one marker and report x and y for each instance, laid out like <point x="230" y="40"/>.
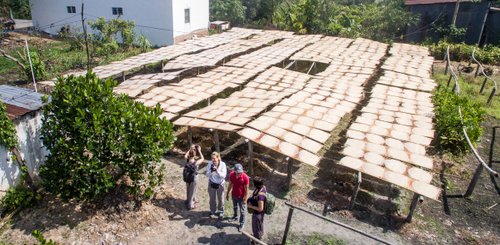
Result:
<point x="238" y="186"/>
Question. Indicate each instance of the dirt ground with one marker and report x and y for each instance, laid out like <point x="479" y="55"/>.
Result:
<point x="380" y="210"/>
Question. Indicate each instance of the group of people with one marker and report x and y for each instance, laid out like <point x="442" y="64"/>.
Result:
<point x="237" y="189"/>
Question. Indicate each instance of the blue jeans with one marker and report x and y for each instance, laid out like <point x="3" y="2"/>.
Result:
<point x="238" y="202"/>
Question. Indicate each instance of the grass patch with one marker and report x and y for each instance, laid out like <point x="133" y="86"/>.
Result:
<point x="431" y="224"/>
<point x="315" y="239"/>
<point x="470" y="87"/>
<point x="59" y="58"/>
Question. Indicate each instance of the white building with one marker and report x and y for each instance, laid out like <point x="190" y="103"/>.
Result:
<point x="24" y="109"/>
<point x="163" y="22"/>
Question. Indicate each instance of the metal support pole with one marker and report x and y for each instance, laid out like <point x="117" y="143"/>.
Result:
<point x="449" y="80"/>
<point x="190" y="136"/>
<point x="356" y="190"/>
<point x="287" y="227"/>
<point x="477" y="70"/>
<point x="250" y="158"/>
<point x="474" y="181"/>
<point x="413" y="206"/>
<point x="447" y="64"/>
<point x="123" y="76"/>
<point x="289" y="173"/>
<point x="483" y="85"/>
<point x="491" y="96"/>
<point x="216" y="139"/>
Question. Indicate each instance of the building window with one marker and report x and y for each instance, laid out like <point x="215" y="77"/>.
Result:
<point x="71" y="9"/>
<point x="117" y="11"/>
<point x="187" y="18"/>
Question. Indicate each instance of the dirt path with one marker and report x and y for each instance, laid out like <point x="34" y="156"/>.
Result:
<point x="165" y="220"/>
<point x="195" y="227"/>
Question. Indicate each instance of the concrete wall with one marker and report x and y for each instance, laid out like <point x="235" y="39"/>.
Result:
<point x="30" y="147"/>
<point x="153" y="18"/>
<point x="199" y="13"/>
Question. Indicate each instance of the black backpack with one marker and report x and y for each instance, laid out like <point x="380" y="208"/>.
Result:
<point x="188" y="173"/>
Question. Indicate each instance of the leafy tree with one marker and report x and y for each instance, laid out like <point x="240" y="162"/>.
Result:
<point x="382" y="20"/>
<point x="231" y="10"/>
<point x="386" y="20"/>
<point x="20" y="8"/>
<point x="105" y="40"/>
<point x="98" y="140"/>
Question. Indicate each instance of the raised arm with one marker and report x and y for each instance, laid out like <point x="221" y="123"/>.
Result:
<point x="201" y="156"/>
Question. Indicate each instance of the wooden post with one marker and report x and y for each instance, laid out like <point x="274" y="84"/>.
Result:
<point x="356" y="190"/>
<point x="483" y="85"/>
<point x="216" y="139"/>
<point x="190" y="136"/>
<point x="289" y="173"/>
<point x="250" y="157"/>
<point x="474" y="181"/>
<point x="493" y="91"/>
<point x="287" y="227"/>
<point x="413" y="206"/>
<point x="483" y="24"/>
<point x="252" y="238"/>
<point x="455" y="13"/>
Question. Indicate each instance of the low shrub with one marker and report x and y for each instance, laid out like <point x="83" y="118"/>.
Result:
<point x="96" y="138"/>
<point x="448" y="123"/>
<point x="19" y="196"/>
<point x="462" y="52"/>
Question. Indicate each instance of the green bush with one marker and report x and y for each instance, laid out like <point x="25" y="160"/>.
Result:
<point x="8" y="137"/>
<point x="448" y="123"/>
<point x="462" y="52"/>
<point x="96" y="138"/>
<point x="19" y="196"/>
<point x="38" y="67"/>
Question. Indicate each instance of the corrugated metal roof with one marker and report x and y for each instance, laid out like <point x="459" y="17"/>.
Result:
<point x="419" y="2"/>
<point x="19" y="101"/>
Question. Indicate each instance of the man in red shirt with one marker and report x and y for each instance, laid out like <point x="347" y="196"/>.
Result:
<point x="238" y="183"/>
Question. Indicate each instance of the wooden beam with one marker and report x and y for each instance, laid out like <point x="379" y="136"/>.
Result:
<point x="216" y="139"/>
<point x="287" y="227"/>
<point x="190" y="136"/>
<point x="356" y="190"/>
<point x="250" y="158"/>
<point x="289" y="173"/>
<point x="413" y="206"/>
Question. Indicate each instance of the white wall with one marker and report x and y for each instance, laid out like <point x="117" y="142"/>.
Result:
<point x="199" y="11"/>
<point x="153" y="18"/>
<point x="30" y="147"/>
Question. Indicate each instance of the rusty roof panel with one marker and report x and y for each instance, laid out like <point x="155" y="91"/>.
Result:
<point x="15" y="112"/>
<point x="19" y="101"/>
